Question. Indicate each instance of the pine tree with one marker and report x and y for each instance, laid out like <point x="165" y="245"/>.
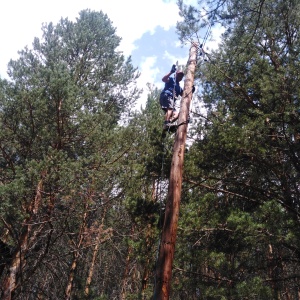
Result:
<point x="59" y="151"/>
<point x="240" y="212"/>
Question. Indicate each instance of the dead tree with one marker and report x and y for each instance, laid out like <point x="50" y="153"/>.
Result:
<point x="169" y="231"/>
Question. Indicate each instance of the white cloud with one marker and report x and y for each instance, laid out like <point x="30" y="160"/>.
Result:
<point x="21" y="21"/>
<point x="216" y="33"/>
<point x="180" y="61"/>
<point x="148" y="73"/>
<point x="135" y="17"/>
<point x="147" y="66"/>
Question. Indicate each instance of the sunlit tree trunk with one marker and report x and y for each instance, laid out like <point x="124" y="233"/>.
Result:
<point x="169" y="233"/>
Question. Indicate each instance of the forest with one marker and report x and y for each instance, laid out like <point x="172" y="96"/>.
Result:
<point x="84" y="177"/>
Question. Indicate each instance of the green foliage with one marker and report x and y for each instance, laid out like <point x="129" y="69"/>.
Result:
<point x="62" y="151"/>
<point x="239" y="227"/>
<point x="84" y="179"/>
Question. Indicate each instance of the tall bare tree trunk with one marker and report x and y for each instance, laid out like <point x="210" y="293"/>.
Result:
<point x="169" y="232"/>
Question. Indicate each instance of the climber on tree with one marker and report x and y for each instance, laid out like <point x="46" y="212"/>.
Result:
<point x="169" y="95"/>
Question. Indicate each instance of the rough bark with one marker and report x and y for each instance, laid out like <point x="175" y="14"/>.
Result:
<point x="169" y="232"/>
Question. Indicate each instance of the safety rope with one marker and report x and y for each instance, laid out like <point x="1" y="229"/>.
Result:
<point x="207" y="34"/>
<point x="175" y="75"/>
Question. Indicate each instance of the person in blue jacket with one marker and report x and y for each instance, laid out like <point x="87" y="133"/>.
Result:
<point x="169" y="95"/>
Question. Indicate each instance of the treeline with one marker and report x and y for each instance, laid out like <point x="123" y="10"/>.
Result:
<point x="83" y="178"/>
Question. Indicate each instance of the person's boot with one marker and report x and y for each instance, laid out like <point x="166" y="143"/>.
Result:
<point x="166" y="125"/>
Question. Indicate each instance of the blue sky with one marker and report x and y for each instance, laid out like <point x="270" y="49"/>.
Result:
<point x="147" y="29"/>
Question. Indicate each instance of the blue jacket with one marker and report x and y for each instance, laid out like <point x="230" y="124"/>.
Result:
<point x="169" y="87"/>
